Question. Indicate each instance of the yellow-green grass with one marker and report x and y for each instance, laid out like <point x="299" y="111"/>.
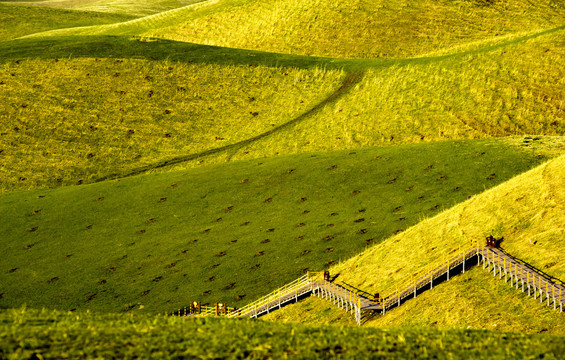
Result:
<point x="350" y="29"/>
<point x="474" y="300"/>
<point x="19" y="20"/>
<point x="29" y="333"/>
<point x="77" y="120"/>
<point x="510" y="89"/>
<point x="528" y="212"/>
<point x="129" y="7"/>
<point x="230" y="232"/>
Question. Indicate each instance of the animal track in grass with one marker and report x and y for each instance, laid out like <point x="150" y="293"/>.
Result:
<point x="429" y="167"/>
<point x="101" y="282"/>
<point x="330" y="263"/>
<point x="298" y="238"/>
<point x="369" y="241"/>
<point x="392" y="181"/>
<point x="193" y="241"/>
<point x="260" y="253"/>
<point x="12" y="270"/>
<point x="218" y="219"/>
<point x="229" y="208"/>
<point x="491" y="176"/>
<point x="305" y="212"/>
<point x="457" y="188"/>
<point x="265" y="241"/>
<point x="360" y="220"/>
<point x="205" y="231"/>
<point x="268" y="200"/>
<point x="441" y="178"/>
<point x="211" y="278"/>
<point x="91" y="297"/>
<point x="145" y="292"/>
<point x="396" y="209"/>
<point x="140" y="231"/>
<point x="355" y="192"/>
<point x="244" y="223"/>
<point x="410" y="188"/>
<point x="206" y="293"/>
<point x="291" y="171"/>
<point x="232" y="242"/>
<point x="35" y="212"/>
<point x="230" y="286"/>
<point x="68" y="256"/>
<point x="305" y="270"/>
<point x="420" y="198"/>
<point x="53" y="279"/>
<point x="334" y="214"/>
<point x="362" y="231"/>
<point x="332" y="167"/>
<point x="88" y="227"/>
<point x="29" y="246"/>
<point x="398" y="231"/>
<point x="300" y="225"/>
<point x="360" y="211"/>
<point x="302" y="199"/>
<point x="329" y="225"/>
<point x="270" y="230"/>
<point x="171" y="265"/>
<point x="152" y="220"/>
<point x="256" y="266"/>
<point x="239" y="297"/>
<point x="163" y="199"/>
<point x="328" y="238"/>
<point x="304" y="252"/>
<point x="479" y="154"/>
<point x="328" y="250"/>
<point x="213" y="266"/>
<point x="434" y="207"/>
<point x="401" y="219"/>
<point x="173" y="186"/>
<point x="33" y="229"/>
<point x="221" y="253"/>
<point x="111" y="269"/>
<point x="243" y="181"/>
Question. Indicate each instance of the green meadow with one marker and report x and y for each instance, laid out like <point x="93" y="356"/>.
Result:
<point x="153" y="153"/>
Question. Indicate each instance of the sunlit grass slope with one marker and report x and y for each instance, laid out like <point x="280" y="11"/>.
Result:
<point x="89" y="335"/>
<point x="19" y="20"/>
<point x="229" y="232"/>
<point x="351" y="29"/>
<point x="527" y="211"/>
<point x="76" y="120"/>
<point x="515" y="88"/>
<point x="129" y="7"/>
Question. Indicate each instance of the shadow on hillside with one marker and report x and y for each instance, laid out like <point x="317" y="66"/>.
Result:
<point x="534" y="269"/>
<point x="158" y="50"/>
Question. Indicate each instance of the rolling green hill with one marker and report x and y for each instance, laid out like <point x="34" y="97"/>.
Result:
<point x="18" y="20"/>
<point x="526" y="211"/>
<point x="230" y="232"/>
<point x="153" y="153"/>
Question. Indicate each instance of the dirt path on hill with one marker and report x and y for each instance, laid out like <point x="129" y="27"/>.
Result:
<point x="350" y="80"/>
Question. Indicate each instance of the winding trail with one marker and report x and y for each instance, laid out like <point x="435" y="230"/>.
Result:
<point x="350" y="80"/>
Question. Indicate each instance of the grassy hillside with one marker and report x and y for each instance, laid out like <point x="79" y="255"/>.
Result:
<point x="91" y="335"/>
<point x="19" y="20"/>
<point x="350" y="29"/>
<point x="229" y="232"/>
<point x="126" y="7"/>
<point x="97" y="117"/>
<point x="509" y="89"/>
<point x="527" y="211"/>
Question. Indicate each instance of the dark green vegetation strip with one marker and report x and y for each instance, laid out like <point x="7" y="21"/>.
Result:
<point x="86" y="335"/>
<point x="18" y="20"/>
<point x="229" y="232"/>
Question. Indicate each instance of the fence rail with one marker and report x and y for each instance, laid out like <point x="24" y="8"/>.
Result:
<point x="312" y="283"/>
